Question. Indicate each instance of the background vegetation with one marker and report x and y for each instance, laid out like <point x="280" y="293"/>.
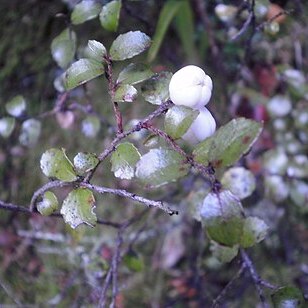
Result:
<point x="256" y="53"/>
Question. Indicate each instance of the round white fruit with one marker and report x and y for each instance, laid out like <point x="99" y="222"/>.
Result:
<point x="203" y="127"/>
<point x="190" y="87"/>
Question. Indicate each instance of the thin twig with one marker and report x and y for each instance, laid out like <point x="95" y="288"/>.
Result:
<point x="102" y="299"/>
<point x="229" y="285"/>
<point x="255" y="277"/>
<point x="123" y="193"/>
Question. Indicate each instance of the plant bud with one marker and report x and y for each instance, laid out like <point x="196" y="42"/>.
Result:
<point x="190" y="87"/>
<point x="203" y="127"/>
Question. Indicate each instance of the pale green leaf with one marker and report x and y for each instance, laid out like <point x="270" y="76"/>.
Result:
<point x="48" y="205"/>
<point x="288" y="297"/>
<point x="123" y="160"/>
<point x="167" y="13"/>
<point x="223" y="254"/>
<point x="161" y="166"/>
<point x="78" y="208"/>
<point x="156" y="89"/>
<point x="81" y="72"/>
<point x="254" y="231"/>
<point x="128" y="45"/>
<point x="16" y="107"/>
<point x="299" y="195"/>
<point x="125" y="93"/>
<point x="7" y="125"/>
<point x="223" y="217"/>
<point x="63" y="48"/>
<point x="110" y="14"/>
<point x="134" y="73"/>
<point x="276" y="188"/>
<point x="229" y="143"/>
<point x="178" y="119"/>
<point x="30" y="132"/>
<point x="84" y="162"/>
<point x="240" y="181"/>
<point x="90" y="126"/>
<point x="96" y="50"/>
<point x="133" y="261"/>
<point x="85" y="10"/>
<point x="55" y="164"/>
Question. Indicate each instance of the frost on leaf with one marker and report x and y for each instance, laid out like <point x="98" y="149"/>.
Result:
<point x="16" y="106"/>
<point x="30" y="132"/>
<point x="123" y="160"/>
<point x="78" y="208"/>
<point x="84" y="162"/>
<point x="7" y="125"/>
<point x="55" y="164"/>
<point x="161" y="166"/>
<point x="48" y="204"/>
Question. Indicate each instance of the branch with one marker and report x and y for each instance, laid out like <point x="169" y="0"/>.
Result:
<point x="123" y="193"/>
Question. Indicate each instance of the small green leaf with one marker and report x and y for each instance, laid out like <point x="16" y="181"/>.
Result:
<point x="276" y="188"/>
<point x="254" y="231"/>
<point x="84" y="162"/>
<point x="110" y="14"/>
<point x="55" y="164"/>
<point x="85" y="10"/>
<point x="156" y="89"/>
<point x="128" y="45"/>
<point x="48" y="205"/>
<point x="288" y="297"/>
<point x="63" y="48"/>
<point x="125" y="93"/>
<point x="275" y="161"/>
<point x="133" y="261"/>
<point x="240" y="181"/>
<point x="299" y="195"/>
<point x="90" y="126"/>
<point x="178" y="119"/>
<point x="223" y="217"/>
<point x="123" y="160"/>
<point x="134" y="73"/>
<point x="16" y="107"/>
<point x="30" y="132"/>
<point x="224" y="254"/>
<point x="7" y="125"/>
<point x="161" y="166"/>
<point x="82" y="71"/>
<point x="229" y="143"/>
<point x="96" y="50"/>
<point x="77" y="208"/>
<point x="170" y="8"/>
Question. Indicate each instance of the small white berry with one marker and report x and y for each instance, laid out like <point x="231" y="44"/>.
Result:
<point x="190" y="87"/>
<point x="203" y="127"/>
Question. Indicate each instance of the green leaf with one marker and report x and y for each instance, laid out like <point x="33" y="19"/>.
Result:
<point x="298" y="166"/>
<point x="254" y="231"/>
<point x="128" y="45"/>
<point x="16" y="107"/>
<point x="276" y="188"/>
<point x="110" y="14"/>
<point x="170" y="8"/>
<point x="49" y="204"/>
<point x="178" y="119"/>
<point x="30" y="132"/>
<point x="161" y="166"/>
<point x="7" y="125"/>
<point x="55" y="164"/>
<point x="85" y="10"/>
<point x="134" y="73"/>
<point x="299" y="195"/>
<point x="275" y="161"/>
<point x="96" y="50"/>
<point x="63" y="48"/>
<point x="240" y="181"/>
<point x="223" y="254"/>
<point x="123" y="160"/>
<point x="156" y="89"/>
<point x="288" y="297"/>
<point x="81" y="72"/>
<point x="223" y="217"/>
<point x="77" y="208"/>
<point x="84" y="162"/>
<point x="125" y="93"/>
<point x="229" y="143"/>
<point x="90" y="126"/>
<point x="133" y="261"/>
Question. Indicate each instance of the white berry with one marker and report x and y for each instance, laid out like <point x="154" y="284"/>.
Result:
<point x="203" y="127"/>
<point x="190" y="87"/>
